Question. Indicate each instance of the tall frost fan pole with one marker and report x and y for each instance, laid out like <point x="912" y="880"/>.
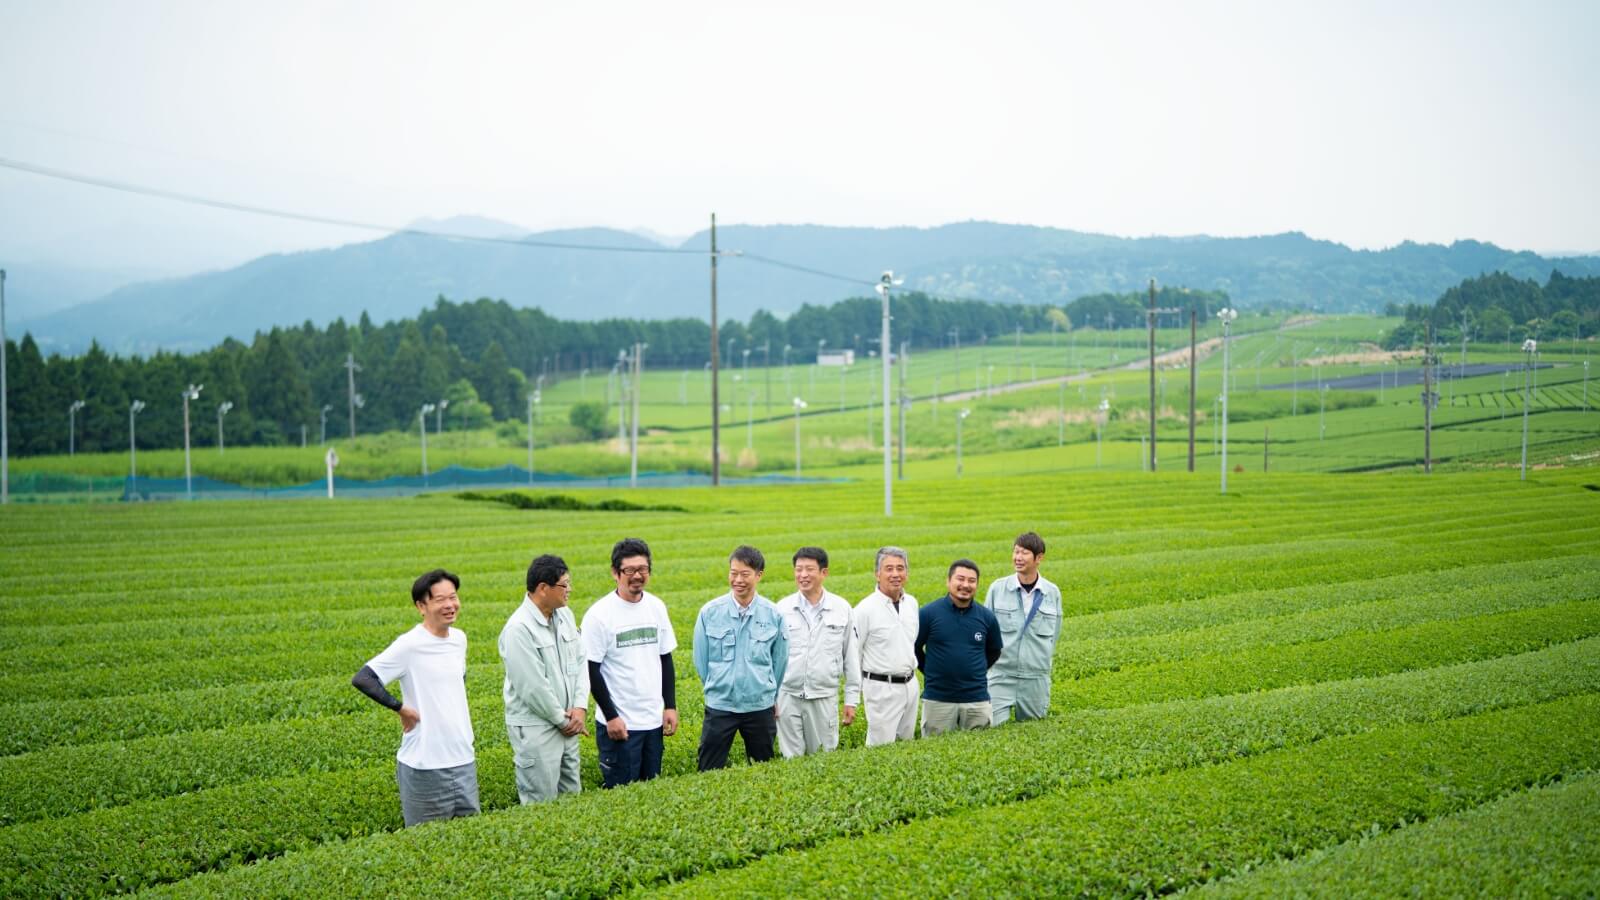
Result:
<point x="1152" y="330"/>
<point x="1227" y="316"/>
<point x="1192" y="315"/>
<point x="716" y="409"/>
<point x="884" y="283"/>
<point x="351" y="367"/>
<point x="1427" y="404"/>
<point x="638" y="388"/>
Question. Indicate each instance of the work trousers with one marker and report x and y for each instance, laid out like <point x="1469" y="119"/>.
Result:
<point x="807" y="726"/>
<point x="891" y="711"/>
<point x="546" y="762"/>
<point x="716" y="736"/>
<point x="939" y="716"/>
<point x="638" y="758"/>
<point x="1020" y="700"/>
<point x="427" y="795"/>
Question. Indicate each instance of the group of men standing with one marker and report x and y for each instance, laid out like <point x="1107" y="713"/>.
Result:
<point x="769" y="670"/>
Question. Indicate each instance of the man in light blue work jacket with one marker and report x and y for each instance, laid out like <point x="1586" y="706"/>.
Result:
<point x="1028" y="607"/>
<point x="740" y="653"/>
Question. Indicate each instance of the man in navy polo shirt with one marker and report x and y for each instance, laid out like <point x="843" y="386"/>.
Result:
<point x="957" y="642"/>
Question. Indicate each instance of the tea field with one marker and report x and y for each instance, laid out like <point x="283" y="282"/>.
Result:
<point x="1314" y="684"/>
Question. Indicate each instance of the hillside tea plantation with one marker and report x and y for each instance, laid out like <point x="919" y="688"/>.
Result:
<point x="1325" y="685"/>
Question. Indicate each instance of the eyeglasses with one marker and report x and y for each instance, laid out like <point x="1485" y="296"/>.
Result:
<point x="564" y="585"/>
<point x="631" y="571"/>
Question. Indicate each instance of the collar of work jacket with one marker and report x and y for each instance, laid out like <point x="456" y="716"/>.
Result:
<point x="740" y="655"/>
<point x="819" y="656"/>
<point x="545" y="671"/>
<point x="1029" y="651"/>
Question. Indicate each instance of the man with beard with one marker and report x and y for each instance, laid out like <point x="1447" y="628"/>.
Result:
<point x="957" y="642"/>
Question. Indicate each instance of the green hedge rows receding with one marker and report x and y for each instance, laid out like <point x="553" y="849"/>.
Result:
<point x="1259" y="614"/>
<point x="30" y="727"/>
<point x="1356" y="655"/>
<point x="1081" y="658"/>
<point x="71" y="780"/>
<point x="726" y="817"/>
<point x="1157" y="835"/>
<point x="100" y="658"/>
<point x="1543" y="842"/>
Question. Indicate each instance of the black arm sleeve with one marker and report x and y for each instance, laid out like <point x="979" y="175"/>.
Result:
<point x="602" y="694"/>
<point x="669" y="682"/>
<point x="366" y="681"/>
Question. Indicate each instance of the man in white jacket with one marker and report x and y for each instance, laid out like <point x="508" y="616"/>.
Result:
<point x="884" y="628"/>
<point x="816" y="622"/>
<point x="547" y="684"/>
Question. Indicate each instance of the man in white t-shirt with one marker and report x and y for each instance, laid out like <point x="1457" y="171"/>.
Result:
<point x="436" y="769"/>
<point x="628" y="642"/>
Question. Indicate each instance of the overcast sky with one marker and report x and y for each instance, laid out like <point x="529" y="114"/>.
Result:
<point x="1363" y="123"/>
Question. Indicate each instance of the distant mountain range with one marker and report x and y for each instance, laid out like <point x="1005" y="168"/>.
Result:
<point x="396" y="276"/>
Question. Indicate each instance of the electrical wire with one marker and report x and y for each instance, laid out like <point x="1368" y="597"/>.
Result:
<point x="193" y="199"/>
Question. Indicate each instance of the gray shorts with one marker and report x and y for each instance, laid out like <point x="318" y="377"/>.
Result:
<point x="430" y="794"/>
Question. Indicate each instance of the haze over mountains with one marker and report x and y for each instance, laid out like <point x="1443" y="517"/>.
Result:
<point x="398" y="275"/>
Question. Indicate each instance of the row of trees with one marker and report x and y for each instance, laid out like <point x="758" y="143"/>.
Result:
<point x="1498" y="307"/>
<point x="482" y="356"/>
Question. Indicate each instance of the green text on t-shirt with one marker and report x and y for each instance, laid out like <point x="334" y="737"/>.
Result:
<point x="635" y="637"/>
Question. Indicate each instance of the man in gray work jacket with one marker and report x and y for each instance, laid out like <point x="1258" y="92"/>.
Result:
<point x="547" y="684"/>
<point x="1028" y="607"/>
<point x="817" y="624"/>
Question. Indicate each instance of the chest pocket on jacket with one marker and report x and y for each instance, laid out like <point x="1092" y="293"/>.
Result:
<point x="1010" y="620"/>
<point x="720" y="643"/>
<point x="567" y="643"/>
<point x="761" y="637"/>
<point x="1046" y="623"/>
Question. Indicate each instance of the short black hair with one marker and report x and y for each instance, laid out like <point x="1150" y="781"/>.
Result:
<point x="422" y="588"/>
<point x="628" y="547"/>
<point x="545" y="569"/>
<point x="1030" y="542"/>
<point x="961" y="564"/>
<point x="815" y="554"/>
<point x="750" y="556"/>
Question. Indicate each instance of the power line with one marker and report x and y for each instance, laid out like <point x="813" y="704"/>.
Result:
<point x="312" y="218"/>
<point x="126" y="187"/>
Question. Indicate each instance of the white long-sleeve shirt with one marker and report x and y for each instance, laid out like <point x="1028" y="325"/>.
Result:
<point x="820" y="648"/>
<point x="885" y="638"/>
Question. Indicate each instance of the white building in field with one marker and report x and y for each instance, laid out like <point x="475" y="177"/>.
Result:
<point x="844" y="358"/>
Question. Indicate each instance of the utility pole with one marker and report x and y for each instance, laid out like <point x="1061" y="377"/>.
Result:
<point x="716" y="410"/>
<point x="1150" y="325"/>
<point x="1192" y="368"/>
<point x="351" y="368"/>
